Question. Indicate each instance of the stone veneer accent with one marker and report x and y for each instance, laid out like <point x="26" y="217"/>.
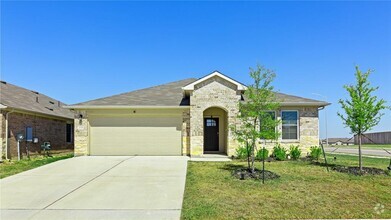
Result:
<point x="308" y="130"/>
<point x="81" y="134"/>
<point x="2" y="134"/>
<point x="214" y="92"/>
<point x="186" y="133"/>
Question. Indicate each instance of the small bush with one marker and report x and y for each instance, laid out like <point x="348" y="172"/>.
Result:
<point x="241" y="152"/>
<point x="315" y="152"/>
<point x="279" y="152"/>
<point x="262" y="154"/>
<point x="295" y="152"/>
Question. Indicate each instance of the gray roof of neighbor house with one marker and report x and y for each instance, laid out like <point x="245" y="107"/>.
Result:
<point x="19" y="98"/>
<point x="171" y="95"/>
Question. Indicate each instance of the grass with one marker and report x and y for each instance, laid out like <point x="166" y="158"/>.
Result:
<point x="303" y="191"/>
<point x="365" y="146"/>
<point x="14" y="167"/>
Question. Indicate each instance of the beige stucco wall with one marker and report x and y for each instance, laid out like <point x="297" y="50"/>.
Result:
<point x="214" y="92"/>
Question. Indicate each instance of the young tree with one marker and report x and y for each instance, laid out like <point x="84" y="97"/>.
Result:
<point x="362" y="109"/>
<point x="256" y="120"/>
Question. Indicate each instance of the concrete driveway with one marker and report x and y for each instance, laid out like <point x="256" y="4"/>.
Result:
<point x="97" y="188"/>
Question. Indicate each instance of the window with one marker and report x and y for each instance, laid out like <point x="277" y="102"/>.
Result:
<point x="69" y="133"/>
<point x="289" y="124"/>
<point x="267" y="124"/>
<point x="211" y="123"/>
<point x="29" y="134"/>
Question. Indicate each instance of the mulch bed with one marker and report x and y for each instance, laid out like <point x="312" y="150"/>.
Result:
<point x="244" y="173"/>
<point x="356" y="170"/>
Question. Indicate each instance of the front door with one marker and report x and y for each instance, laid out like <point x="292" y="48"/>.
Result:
<point x="211" y="134"/>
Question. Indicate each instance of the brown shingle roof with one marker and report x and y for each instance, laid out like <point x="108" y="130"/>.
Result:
<point x="13" y="96"/>
<point x="171" y="94"/>
<point x="297" y="100"/>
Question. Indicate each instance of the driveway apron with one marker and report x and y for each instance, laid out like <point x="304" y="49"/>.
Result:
<point x="117" y="187"/>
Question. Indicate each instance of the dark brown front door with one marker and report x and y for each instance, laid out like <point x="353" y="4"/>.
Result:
<point x="211" y="134"/>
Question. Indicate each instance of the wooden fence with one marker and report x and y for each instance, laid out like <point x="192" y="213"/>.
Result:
<point x="375" y="138"/>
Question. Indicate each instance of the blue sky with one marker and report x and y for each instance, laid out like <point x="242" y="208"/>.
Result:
<point x="77" y="51"/>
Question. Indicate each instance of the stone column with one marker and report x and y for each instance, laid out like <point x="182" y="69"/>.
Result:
<point x="81" y="134"/>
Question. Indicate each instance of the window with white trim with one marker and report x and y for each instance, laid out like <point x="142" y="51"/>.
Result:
<point x="289" y="125"/>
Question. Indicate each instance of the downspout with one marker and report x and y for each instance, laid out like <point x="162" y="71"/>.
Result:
<point x="6" y="133"/>
<point x="327" y="138"/>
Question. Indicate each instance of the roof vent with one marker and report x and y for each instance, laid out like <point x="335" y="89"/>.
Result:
<point x="51" y="102"/>
<point x="37" y="99"/>
<point x="35" y="92"/>
<point x="59" y="103"/>
<point x="4" y="82"/>
<point x="49" y="108"/>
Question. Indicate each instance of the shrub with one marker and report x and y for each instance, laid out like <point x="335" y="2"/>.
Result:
<point x="262" y="154"/>
<point x="295" y="152"/>
<point x="241" y="152"/>
<point x="315" y="152"/>
<point x="279" y="152"/>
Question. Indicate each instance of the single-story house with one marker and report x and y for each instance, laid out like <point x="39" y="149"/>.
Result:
<point x="187" y="117"/>
<point x="39" y="118"/>
<point x="339" y="141"/>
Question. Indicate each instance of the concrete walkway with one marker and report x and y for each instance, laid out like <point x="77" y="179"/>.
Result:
<point x="97" y="188"/>
<point x="354" y="151"/>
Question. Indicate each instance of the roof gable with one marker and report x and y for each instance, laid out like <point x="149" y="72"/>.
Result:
<point x="190" y="86"/>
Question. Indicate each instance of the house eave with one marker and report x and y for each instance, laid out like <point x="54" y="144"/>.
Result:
<point x="24" y="111"/>
<point x="316" y="104"/>
<point x="123" y="107"/>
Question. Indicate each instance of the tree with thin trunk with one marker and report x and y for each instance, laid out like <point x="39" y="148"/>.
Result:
<point x="255" y="120"/>
<point x="362" y="109"/>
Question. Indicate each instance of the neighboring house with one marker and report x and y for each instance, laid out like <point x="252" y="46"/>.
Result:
<point x="375" y="138"/>
<point x="188" y="117"/>
<point x="339" y="141"/>
<point x="34" y="115"/>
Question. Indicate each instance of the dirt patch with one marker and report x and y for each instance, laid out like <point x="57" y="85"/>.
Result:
<point x="244" y="173"/>
<point x="356" y="170"/>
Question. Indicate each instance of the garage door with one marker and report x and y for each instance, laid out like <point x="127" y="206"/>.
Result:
<point x="135" y="136"/>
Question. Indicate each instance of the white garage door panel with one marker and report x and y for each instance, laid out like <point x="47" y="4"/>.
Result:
<point x="135" y="136"/>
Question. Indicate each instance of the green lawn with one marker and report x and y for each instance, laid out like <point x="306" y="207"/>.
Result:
<point x="303" y="191"/>
<point x="366" y="146"/>
<point x="14" y="167"/>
